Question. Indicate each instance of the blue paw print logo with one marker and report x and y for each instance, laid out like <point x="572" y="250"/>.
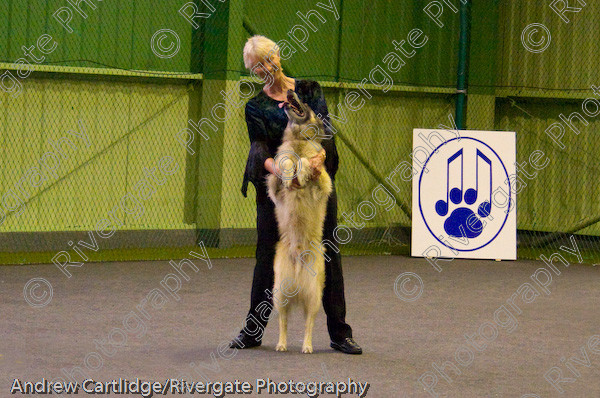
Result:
<point x="455" y="191"/>
<point x="463" y="222"/>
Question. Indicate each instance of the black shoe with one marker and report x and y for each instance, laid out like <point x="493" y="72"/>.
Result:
<point x="347" y="346"/>
<point x="244" y="341"/>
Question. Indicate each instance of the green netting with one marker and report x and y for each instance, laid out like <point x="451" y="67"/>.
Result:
<point x="96" y="118"/>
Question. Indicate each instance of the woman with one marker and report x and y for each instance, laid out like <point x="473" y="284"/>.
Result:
<point x="266" y="120"/>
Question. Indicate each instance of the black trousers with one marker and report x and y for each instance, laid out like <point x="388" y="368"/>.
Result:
<point x="261" y="301"/>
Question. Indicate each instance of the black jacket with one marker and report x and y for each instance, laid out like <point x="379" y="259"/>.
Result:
<point x="266" y="123"/>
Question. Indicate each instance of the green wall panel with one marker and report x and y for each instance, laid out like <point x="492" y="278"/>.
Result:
<point x="127" y="131"/>
<point x="115" y="34"/>
<point x="569" y="62"/>
<point x="367" y="31"/>
<point x="370" y="27"/>
<point x="320" y="59"/>
<point x="566" y="191"/>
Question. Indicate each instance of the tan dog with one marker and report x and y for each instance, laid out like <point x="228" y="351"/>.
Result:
<point x="300" y="216"/>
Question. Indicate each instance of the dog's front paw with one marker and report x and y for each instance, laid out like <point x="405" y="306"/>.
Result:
<point x="307" y="349"/>
<point x="304" y="172"/>
<point x="281" y="347"/>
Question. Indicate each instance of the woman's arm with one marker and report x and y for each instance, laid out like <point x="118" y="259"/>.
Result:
<point x="259" y="150"/>
<point x="256" y="131"/>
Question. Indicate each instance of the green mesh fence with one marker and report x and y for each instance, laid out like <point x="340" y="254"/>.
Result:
<point x="114" y="116"/>
<point x="540" y="83"/>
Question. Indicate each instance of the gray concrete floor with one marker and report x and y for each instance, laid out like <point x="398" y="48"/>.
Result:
<point x="401" y="339"/>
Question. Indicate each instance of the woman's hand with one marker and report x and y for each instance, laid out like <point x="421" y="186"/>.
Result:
<point x="272" y="167"/>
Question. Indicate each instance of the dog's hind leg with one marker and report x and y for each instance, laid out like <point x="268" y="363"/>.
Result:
<point x="283" y="318"/>
<point x="311" y="296"/>
<point x="309" y="323"/>
<point x="280" y="302"/>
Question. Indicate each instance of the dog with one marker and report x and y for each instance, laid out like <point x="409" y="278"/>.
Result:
<point x="300" y="214"/>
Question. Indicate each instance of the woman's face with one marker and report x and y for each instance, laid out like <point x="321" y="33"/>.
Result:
<point x="266" y="69"/>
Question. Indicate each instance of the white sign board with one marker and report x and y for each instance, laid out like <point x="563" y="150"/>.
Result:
<point x="464" y="205"/>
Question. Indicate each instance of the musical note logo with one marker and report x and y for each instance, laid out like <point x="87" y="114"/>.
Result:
<point x="441" y="206"/>
<point x="485" y="207"/>
<point x="463" y="222"/>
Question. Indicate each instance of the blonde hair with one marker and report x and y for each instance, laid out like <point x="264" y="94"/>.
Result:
<point x="261" y="48"/>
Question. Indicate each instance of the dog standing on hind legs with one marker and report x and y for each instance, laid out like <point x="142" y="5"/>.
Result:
<point x="300" y="216"/>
